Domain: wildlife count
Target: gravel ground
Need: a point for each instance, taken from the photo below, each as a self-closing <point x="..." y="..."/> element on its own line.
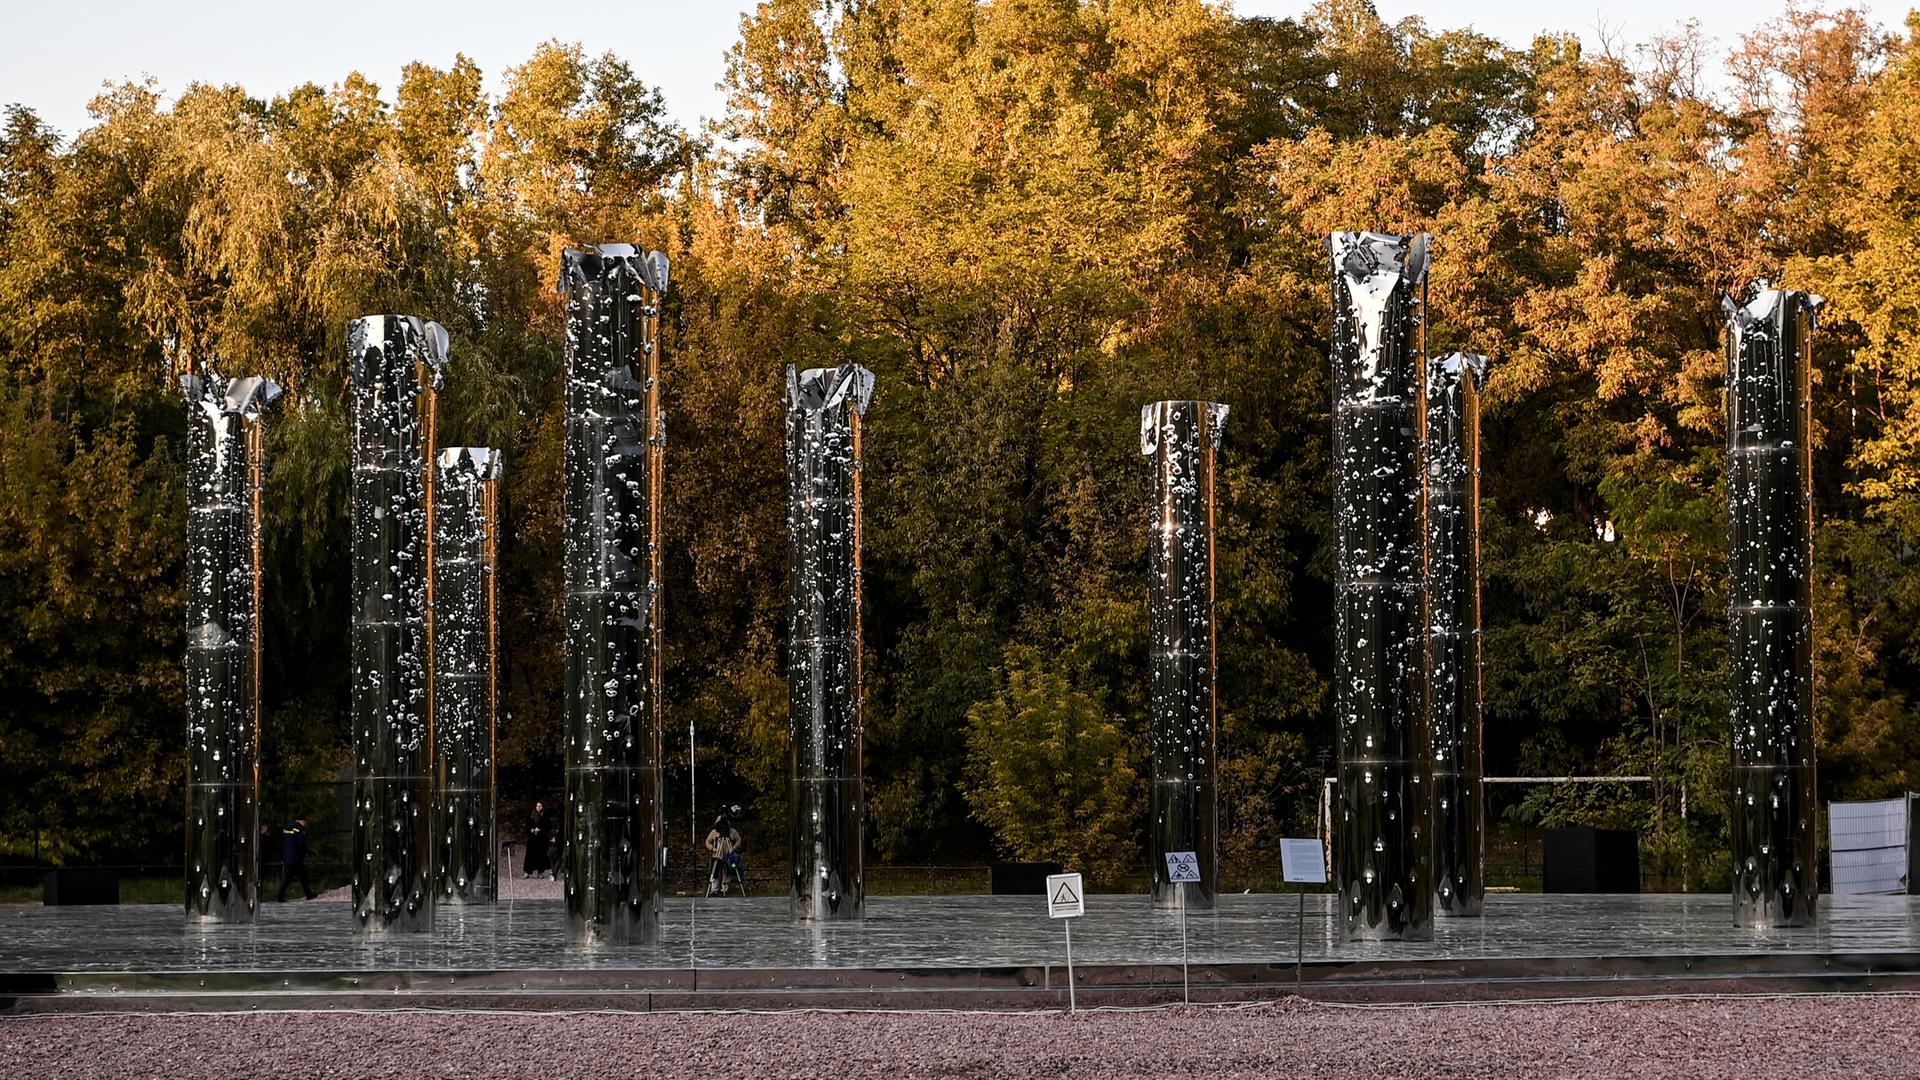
<point x="1825" y="1036"/>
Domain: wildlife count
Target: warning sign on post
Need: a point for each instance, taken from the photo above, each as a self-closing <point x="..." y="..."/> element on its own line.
<point x="1065" y="897"/>
<point x="1183" y="866"/>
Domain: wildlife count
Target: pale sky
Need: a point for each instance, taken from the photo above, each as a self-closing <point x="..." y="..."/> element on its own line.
<point x="57" y="53"/>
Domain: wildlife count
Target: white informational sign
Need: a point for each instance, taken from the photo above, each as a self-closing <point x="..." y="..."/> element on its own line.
<point x="1183" y="866"/>
<point x="1066" y="898"/>
<point x="1303" y="861"/>
<point x="1869" y="844"/>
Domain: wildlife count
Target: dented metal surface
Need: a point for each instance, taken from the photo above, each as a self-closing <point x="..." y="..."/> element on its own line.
<point x="1774" y="814"/>
<point x="225" y="463"/>
<point x="1451" y="514"/>
<point x="465" y="680"/>
<point x="394" y="367"/>
<point x="1181" y="438"/>
<point x="614" y="825"/>
<point x="824" y="411"/>
<point x="1381" y="850"/>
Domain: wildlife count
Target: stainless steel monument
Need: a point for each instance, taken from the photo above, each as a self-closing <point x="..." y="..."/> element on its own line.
<point x="394" y="367"/>
<point x="465" y="651"/>
<point x="1181" y="437"/>
<point x="1381" y="841"/>
<point x="824" y="411"/>
<point x="226" y="441"/>
<point x="1451" y="508"/>
<point x="614" y="826"/>
<point x="1774" y="818"/>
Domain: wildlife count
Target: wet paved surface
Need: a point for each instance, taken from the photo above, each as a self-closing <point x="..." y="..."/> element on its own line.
<point x="920" y="932"/>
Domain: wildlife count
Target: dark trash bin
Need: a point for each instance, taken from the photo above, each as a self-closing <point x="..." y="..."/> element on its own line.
<point x="1591" y="861"/>
<point x="61" y="888"/>
<point x="1022" y="878"/>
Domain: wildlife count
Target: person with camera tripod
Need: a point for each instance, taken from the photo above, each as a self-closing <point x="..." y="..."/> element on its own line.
<point x="723" y="843"/>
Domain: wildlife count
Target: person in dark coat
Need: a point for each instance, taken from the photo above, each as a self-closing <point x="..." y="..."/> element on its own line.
<point x="539" y="841"/>
<point x="293" y="857"/>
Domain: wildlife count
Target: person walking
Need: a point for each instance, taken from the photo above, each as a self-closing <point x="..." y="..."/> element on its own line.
<point x="293" y="857"/>
<point x="540" y="838"/>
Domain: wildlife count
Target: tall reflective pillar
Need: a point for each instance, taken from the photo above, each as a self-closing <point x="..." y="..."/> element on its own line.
<point x="225" y="457"/>
<point x="614" y="828"/>
<point x="465" y="694"/>
<point x="1381" y="854"/>
<point x="1181" y="438"/>
<point x="1770" y="599"/>
<point x="394" y="366"/>
<point x="824" y="411"/>
<point x="1452" y="509"/>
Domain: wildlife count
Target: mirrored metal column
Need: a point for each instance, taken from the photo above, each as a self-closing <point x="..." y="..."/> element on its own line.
<point x="1769" y="563"/>
<point x="1452" y="509"/>
<point x="465" y="677"/>
<point x="1181" y="438"/>
<point x="225" y="457"/>
<point x="1381" y="854"/>
<point x="824" y="411"/>
<point x="394" y="364"/>
<point x="614" y="828"/>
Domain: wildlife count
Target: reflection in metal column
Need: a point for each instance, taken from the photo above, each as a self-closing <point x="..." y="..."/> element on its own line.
<point x="394" y="365"/>
<point x="614" y="827"/>
<point x="1381" y="854"/>
<point x="824" y="410"/>
<point x="465" y="537"/>
<point x="1769" y="563"/>
<point x="225" y="451"/>
<point x="1452" y="509"/>
<point x="1181" y="438"/>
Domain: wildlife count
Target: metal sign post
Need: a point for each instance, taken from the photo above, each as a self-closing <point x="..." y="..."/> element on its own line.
<point x="1066" y="899"/>
<point x="1072" y="1005"/>
<point x="1183" y="867"/>
<point x="1300" y="946"/>
<point x="693" y="849"/>
<point x="1302" y="861"/>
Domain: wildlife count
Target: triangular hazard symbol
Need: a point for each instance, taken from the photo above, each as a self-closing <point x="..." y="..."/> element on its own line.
<point x="1064" y="896"/>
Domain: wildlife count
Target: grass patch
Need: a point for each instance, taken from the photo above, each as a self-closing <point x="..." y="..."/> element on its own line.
<point x="133" y="890"/>
<point x="170" y="889"/>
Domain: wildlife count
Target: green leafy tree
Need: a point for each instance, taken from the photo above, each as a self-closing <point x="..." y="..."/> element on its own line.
<point x="1053" y="775"/>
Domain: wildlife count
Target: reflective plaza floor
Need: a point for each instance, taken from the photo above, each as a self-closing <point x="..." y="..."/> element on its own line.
<point x="942" y="933"/>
